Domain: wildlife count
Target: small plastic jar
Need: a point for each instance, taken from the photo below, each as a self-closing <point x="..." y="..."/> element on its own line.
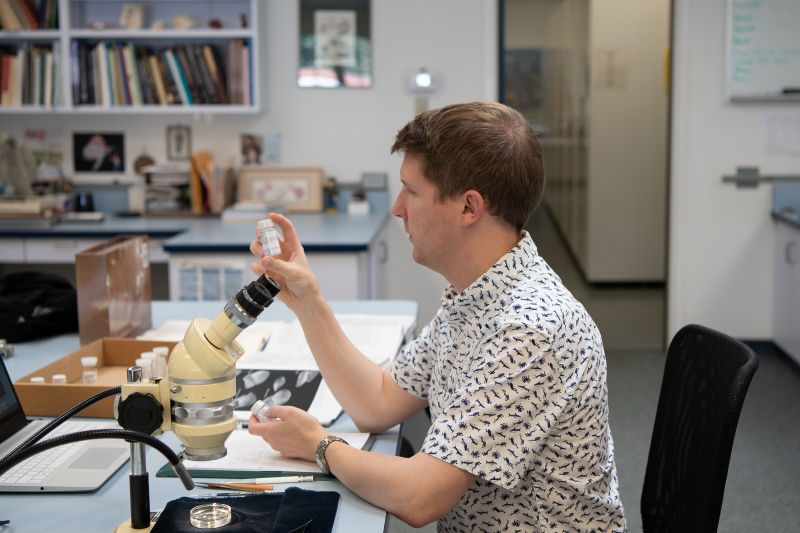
<point x="152" y="357"/>
<point x="89" y="370"/>
<point x="37" y="379"/>
<point x="59" y="378"/>
<point x="147" y="368"/>
<point x="259" y="409"/>
<point x="268" y="236"/>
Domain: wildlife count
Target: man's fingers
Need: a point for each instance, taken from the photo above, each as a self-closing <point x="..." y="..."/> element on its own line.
<point x="289" y="234"/>
<point x="256" y="249"/>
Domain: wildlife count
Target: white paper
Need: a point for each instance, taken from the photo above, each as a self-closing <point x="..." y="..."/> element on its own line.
<point x="248" y="453"/>
<point x="782" y="132"/>
<point x="376" y="336"/>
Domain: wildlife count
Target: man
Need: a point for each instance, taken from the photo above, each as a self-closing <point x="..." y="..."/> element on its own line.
<point x="512" y="366"/>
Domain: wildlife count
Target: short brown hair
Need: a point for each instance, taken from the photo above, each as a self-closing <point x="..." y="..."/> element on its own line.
<point x="483" y="146"/>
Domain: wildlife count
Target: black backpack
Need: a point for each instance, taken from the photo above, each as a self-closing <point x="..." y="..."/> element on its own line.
<point x="34" y="305"/>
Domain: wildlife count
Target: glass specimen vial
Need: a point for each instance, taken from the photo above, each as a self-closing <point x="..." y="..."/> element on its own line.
<point x="152" y="357"/>
<point x="59" y="378"/>
<point x="268" y="235"/>
<point x="89" y="365"/>
<point x="37" y="379"/>
<point x="162" y="353"/>
<point x="147" y="368"/>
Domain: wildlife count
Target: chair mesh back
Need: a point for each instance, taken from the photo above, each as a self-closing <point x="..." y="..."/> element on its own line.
<point x="705" y="381"/>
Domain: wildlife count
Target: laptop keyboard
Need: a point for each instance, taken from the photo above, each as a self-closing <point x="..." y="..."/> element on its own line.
<point x="35" y="469"/>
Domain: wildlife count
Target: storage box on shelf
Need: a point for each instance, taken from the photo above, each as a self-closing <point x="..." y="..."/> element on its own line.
<point x="81" y="69"/>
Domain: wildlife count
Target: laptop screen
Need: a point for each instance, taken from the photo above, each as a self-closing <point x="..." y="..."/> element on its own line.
<point x="12" y="418"/>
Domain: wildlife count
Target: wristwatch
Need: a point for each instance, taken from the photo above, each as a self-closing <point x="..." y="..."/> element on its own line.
<point x="319" y="456"/>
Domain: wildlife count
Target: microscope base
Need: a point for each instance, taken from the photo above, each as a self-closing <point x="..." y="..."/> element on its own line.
<point x="126" y="527"/>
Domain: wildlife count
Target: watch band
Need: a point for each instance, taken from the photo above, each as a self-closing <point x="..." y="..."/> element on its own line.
<point x="320" y="453"/>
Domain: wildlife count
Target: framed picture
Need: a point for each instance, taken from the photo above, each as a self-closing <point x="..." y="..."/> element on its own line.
<point x="179" y="143"/>
<point x="299" y="189"/>
<point x="98" y="152"/>
<point x="252" y="148"/>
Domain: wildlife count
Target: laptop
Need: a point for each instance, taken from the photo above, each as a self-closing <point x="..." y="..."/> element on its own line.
<point x="77" y="467"/>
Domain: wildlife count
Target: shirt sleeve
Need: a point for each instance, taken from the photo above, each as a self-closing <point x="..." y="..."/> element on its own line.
<point x="412" y="367"/>
<point x="506" y="406"/>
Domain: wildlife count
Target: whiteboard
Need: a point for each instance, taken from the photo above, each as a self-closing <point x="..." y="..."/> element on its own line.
<point x="763" y="48"/>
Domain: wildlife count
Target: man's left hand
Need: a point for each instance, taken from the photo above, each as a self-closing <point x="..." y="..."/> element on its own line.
<point x="295" y="435"/>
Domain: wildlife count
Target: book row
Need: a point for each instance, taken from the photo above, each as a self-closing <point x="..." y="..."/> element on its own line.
<point x="25" y="15"/>
<point x="30" y="75"/>
<point x="110" y="73"/>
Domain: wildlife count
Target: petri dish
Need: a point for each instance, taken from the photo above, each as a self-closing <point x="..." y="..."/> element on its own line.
<point x="210" y="515"/>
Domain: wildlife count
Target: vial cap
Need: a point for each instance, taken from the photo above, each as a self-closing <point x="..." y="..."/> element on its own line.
<point x="89" y="361"/>
<point x="267" y="223"/>
<point x="257" y="406"/>
<point x="59" y="378"/>
<point x="37" y="379"/>
<point x="161" y="350"/>
<point x="148" y="355"/>
<point x="144" y="362"/>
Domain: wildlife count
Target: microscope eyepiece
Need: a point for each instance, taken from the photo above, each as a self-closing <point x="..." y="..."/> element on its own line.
<point x="257" y="295"/>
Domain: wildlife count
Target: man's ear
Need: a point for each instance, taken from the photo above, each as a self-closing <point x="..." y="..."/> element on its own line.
<point x="474" y="208"/>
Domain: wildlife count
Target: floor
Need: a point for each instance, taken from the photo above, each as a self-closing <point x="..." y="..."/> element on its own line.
<point x="763" y="488"/>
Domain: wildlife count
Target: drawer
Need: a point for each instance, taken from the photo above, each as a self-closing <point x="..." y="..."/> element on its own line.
<point x="56" y="250"/>
<point x="12" y="250"/>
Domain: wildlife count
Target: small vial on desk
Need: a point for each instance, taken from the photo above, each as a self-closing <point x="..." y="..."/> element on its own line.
<point x="153" y="358"/>
<point x="268" y="236"/>
<point x="162" y="352"/>
<point x="59" y="378"/>
<point x="147" y="368"/>
<point x="37" y="379"/>
<point x="259" y="409"/>
<point x="89" y="370"/>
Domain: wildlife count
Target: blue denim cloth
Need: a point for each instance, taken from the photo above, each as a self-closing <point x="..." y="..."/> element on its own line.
<point x="259" y="513"/>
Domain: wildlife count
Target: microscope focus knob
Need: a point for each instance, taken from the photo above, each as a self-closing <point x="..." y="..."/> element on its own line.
<point x="140" y="412"/>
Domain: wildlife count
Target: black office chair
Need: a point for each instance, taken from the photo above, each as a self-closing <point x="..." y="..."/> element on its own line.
<point x="705" y="381"/>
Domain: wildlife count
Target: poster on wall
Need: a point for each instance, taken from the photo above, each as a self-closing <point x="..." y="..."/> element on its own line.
<point x="99" y="152"/>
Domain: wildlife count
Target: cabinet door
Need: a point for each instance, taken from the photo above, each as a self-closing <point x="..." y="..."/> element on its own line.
<point x="787" y="290"/>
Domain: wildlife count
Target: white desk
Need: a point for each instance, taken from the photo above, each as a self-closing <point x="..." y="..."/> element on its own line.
<point x="106" y="508"/>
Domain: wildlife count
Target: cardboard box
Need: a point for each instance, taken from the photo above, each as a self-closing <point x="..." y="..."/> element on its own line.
<point x="113" y="283"/>
<point x="114" y="356"/>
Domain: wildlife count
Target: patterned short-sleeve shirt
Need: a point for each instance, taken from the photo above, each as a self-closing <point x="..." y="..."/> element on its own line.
<point x="514" y="372"/>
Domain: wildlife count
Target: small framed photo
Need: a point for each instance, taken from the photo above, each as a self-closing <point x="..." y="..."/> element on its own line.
<point x="298" y="189"/>
<point x="132" y="16"/>
<point x="179" y="143"/>
<point x="98" y="152"/>
<point x="252" y="147"/>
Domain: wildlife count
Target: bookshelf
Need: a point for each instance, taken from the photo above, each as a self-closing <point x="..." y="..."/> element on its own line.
<point x="189" y="85"/>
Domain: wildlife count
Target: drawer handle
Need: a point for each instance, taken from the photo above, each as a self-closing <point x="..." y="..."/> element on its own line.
<point x="791" y="246"/>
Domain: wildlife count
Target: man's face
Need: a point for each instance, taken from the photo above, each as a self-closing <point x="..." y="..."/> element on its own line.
<point x="432" y="226"/>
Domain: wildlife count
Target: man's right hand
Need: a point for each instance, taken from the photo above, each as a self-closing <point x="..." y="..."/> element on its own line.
<point x="299" y="288"/>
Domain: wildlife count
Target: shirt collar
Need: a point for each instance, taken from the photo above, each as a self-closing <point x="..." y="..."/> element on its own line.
<point x="462" y="307"/>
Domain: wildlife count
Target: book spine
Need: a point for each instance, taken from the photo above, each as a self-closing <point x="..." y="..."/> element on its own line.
<point x="246" y="89"/>
<point x="177" y="77"/>
<point x="117" y="98"/>
<point x="124" y="73"/>
<point x="77" y="72"/>
<point x="211" y="89"/>
<point x="16" y="97"/>
<point x="169" y="84"/>
<point x="82" y="96"/>
<point x="54" y="14"/>
<point x="158" y="81"/>
<point x="19" y="16"/>
<point x="47" y="65"/>
<point x="132" y="69"/>
<point x="188" y="76"/>
<point x="216" y="75"/>
<point x="4" y="79"/>
<point x="57" y="93"/>
<point x="37" y="77"/>
<point x="148" y="94"/>
<point x="30" y="14"/>
<point x="104" y="75"/>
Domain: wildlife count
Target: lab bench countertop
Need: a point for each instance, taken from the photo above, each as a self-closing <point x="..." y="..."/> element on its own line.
<point x="318" y="232"/>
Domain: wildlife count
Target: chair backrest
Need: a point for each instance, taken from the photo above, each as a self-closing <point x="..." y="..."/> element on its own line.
<point x="705" y="381"/>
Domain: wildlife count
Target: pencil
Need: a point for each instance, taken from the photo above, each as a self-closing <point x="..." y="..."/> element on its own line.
<point x="237" y="486"/>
